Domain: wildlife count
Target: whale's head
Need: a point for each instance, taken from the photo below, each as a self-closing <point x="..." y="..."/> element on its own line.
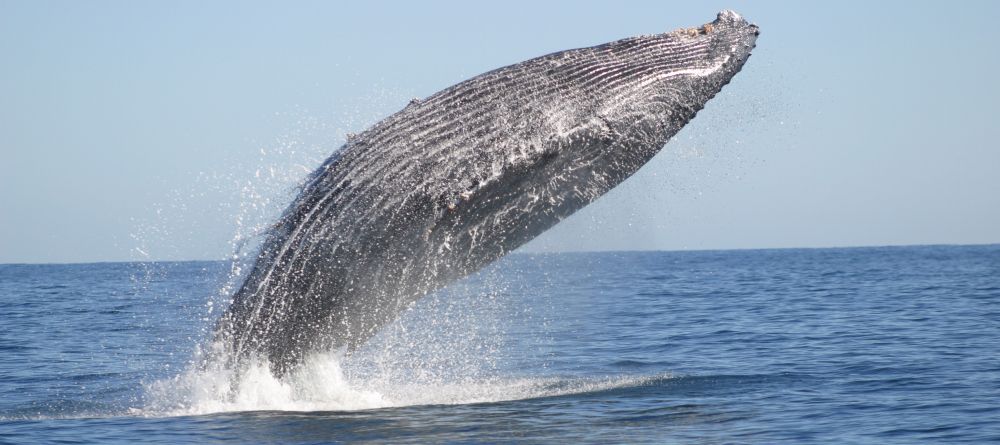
<point x="604" y="111"/>
<point x="638" y="92"/>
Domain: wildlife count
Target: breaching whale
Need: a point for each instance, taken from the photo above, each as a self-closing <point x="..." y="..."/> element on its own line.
<point x="453" y="182"/>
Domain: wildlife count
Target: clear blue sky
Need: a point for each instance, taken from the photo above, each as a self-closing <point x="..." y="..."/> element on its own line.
<point x="137" y="130"/>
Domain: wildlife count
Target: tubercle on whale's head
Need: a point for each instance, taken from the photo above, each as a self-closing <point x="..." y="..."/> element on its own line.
<point x="725" y="21"/>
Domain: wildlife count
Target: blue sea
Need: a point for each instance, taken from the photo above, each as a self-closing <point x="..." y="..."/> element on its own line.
<point x="854" y="345"/>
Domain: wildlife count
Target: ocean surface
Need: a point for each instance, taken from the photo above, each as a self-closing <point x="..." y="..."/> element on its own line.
<point x="857" y="345"/>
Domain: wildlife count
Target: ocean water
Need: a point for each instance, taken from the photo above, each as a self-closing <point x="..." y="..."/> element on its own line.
<point x="858" y="345"/>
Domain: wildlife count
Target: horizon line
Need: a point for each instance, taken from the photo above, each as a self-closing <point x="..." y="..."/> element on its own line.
<point x="551" y="252"/>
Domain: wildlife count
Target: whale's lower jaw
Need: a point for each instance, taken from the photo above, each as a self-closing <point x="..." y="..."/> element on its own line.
<point x="451" y="183"/>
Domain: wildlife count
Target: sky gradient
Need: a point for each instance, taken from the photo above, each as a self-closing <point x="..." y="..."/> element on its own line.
<point x="140" y="130"/>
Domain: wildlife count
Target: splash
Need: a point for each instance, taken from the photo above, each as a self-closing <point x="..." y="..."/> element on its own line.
<point x="328" y="381"/>
<point x="319" y="385"/>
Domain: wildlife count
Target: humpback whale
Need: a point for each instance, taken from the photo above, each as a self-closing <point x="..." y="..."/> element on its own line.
<point x="457" y="180"/>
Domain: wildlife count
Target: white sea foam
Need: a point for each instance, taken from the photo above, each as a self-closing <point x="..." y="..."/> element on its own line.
<point x="324" y="382"/>
<point x="318" y="385"/>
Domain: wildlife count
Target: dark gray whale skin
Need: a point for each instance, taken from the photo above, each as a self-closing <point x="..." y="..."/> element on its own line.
<point x="451" y="183"/>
